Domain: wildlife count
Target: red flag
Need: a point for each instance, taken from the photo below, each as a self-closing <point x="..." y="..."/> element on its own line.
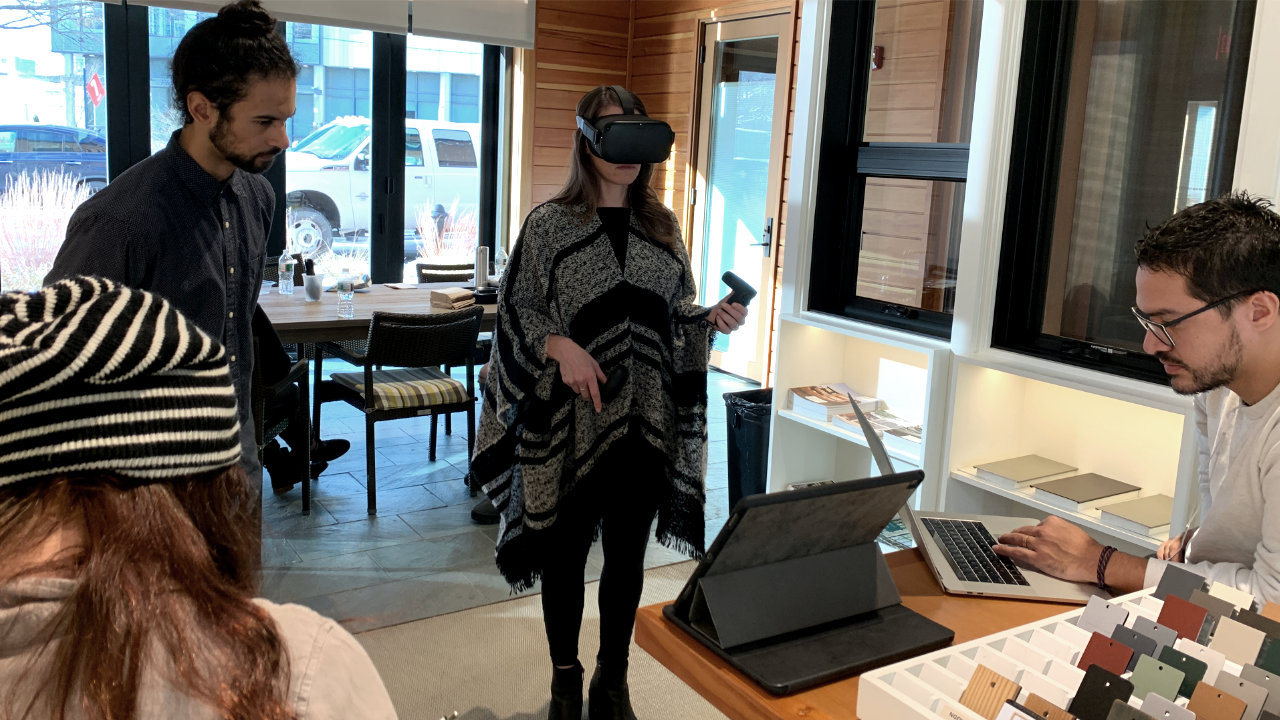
<point x="95" y="89"/>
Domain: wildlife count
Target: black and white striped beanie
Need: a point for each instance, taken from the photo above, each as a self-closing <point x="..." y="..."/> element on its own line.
<point x="95" y="376"/>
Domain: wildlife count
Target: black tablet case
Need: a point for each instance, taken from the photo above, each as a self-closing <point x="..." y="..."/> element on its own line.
<point x="795" y="592"/>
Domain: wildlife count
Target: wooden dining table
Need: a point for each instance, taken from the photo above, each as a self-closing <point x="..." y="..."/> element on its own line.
<point x="298" y="320"/>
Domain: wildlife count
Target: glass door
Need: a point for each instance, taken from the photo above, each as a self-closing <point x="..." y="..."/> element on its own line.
<point x="737" y="197"/>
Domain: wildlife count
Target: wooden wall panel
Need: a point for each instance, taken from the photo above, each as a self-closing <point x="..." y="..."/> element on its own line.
<point x="577" y="46"/>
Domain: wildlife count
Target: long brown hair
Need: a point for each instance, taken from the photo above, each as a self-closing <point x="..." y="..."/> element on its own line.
<point x="583" y="186"/>
<point x="164" y="566"/>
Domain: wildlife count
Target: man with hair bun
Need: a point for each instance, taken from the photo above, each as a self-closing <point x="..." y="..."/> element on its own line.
<point x="190" y="222"/>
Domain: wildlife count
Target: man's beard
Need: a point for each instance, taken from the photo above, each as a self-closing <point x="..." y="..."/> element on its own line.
<point x="1224" y="370"/>
<point x="248" y="163"/>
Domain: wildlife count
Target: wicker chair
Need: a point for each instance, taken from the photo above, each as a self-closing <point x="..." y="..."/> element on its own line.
<point x="413" y="347"/>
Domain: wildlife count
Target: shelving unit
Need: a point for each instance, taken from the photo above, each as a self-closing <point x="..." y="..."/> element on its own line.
<point x="907" y="372"/>
<point x="1144" y="436"/>
<point x="980" y="409"/>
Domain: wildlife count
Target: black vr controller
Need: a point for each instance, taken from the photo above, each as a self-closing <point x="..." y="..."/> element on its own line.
<point x="627" y="138"/>
<point x="742" y="293"/>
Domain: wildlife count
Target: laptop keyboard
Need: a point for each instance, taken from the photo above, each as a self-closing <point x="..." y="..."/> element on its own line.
<point x="968" y="546"/>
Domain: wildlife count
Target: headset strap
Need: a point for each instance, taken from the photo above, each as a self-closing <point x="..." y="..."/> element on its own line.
<point x="625" y="99"/>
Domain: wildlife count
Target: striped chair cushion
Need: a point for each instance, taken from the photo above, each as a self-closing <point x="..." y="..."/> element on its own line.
<point x="407" y="387"/>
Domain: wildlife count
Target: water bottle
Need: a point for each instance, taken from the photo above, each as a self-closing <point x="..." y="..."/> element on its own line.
<point x="346" y="294"/>
<point x="284" y="284"/>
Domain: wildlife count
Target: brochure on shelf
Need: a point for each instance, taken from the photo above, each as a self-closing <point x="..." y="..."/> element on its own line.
<point x="1084" y="492"/>
<point x="824" y="402"/>
<point x="1021" y="471"/>
<point x="1145" y="515"/>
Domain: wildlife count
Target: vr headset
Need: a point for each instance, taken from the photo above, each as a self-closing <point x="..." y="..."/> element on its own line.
<point x="627" y="138"/>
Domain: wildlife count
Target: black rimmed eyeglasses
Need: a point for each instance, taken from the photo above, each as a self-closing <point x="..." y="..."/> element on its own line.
<point x="1161" y="330"/>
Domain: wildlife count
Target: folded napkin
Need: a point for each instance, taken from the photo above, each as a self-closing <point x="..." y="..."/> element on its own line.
<point x="453" y="298"/>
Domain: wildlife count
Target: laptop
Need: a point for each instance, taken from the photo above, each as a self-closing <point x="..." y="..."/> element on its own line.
<point x="957" y="547"/>
<point x="795" y="592"/>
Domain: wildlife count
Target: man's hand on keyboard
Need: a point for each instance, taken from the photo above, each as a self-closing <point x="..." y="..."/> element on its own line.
<point x="1054" y="546"/>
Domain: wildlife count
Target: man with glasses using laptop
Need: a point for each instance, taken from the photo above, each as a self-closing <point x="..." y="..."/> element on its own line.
<point x="1207" y="287"/>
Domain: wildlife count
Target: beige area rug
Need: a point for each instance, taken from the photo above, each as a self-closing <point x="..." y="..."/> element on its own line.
<point x="491" y="661"/>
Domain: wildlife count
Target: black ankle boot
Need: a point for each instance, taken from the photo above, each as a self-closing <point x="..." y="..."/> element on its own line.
<point x="566" y="692"/>
<point x="609" y="697"/>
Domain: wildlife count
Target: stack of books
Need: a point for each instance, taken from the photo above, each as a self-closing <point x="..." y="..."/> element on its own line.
<point x="825" y="402"/>
<point x="1018" y="473"/>
<point x="1145" y="516"/>
<point x="452" y="298"/>
<point x="1085" y="492"/>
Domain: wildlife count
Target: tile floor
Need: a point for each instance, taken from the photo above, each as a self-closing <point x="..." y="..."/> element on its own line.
<point x="421" y="555"/>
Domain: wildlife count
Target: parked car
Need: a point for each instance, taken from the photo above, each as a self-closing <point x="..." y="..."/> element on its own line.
<point x="328" y="177"/>
<point x="33" y="149"/>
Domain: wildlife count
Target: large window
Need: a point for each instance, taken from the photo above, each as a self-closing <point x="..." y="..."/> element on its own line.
<point x="53" y="126"/>
<point x="894" y="153"/>
<point x="442" y="177"/>
<point x="328" y="168"/>
<point x="1128" y="111"/>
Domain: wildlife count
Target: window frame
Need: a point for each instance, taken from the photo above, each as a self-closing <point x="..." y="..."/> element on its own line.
<point x="1031" y="192"/>
<point x="127" y="56"/>
<point x="840" y="195"/>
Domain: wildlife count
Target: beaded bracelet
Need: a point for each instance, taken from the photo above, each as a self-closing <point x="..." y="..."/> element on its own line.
<point x="1103" y="559"/>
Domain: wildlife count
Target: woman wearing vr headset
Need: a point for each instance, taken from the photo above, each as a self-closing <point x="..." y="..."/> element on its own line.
<point x="597" y="387"/>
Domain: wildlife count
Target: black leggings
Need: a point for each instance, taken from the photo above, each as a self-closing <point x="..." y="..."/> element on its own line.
<point x="628" y="497"/>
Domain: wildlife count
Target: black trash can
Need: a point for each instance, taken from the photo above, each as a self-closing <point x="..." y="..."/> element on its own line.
<point x="747" y="414"/>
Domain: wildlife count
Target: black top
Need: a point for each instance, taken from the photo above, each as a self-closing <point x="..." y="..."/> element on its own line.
<point x="167" y="226"/>
<point x="616" y="222"/>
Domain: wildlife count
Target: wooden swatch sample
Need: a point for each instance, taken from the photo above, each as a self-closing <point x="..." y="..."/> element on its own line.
<point x="1192" y="668"/>
<point x="1152" y="676"/>
<point x="1182" y="616"/>
<point x="1044" y="709"/>
<point x="1107" y="653"/>
<point x="1098" y="689"/>
<point x="987" y="691"/>
<point x="1271" y="611"/>
<point x="1211" y="702"/>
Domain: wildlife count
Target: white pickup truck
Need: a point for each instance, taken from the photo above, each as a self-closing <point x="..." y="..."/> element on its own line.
<point x="328" y="180"/>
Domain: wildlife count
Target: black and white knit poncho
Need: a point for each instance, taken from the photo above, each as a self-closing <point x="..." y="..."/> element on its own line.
<point x="537" y="440"/>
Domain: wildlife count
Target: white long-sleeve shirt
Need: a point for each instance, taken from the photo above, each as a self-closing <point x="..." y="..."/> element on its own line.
<point x="1238" y="541"/>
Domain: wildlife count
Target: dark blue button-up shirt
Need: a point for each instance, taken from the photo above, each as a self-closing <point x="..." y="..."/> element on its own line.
<point x="167" y="226"/>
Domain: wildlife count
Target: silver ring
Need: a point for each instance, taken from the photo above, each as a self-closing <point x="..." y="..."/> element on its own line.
<point x="583" y="389"/>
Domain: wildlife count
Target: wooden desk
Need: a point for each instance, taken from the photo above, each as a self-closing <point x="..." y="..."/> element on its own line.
<point x="297" y="321"/>
<point x="739" y="697"/>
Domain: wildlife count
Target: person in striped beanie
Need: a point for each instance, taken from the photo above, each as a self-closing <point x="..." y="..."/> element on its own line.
<point x="128" y="538"/>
